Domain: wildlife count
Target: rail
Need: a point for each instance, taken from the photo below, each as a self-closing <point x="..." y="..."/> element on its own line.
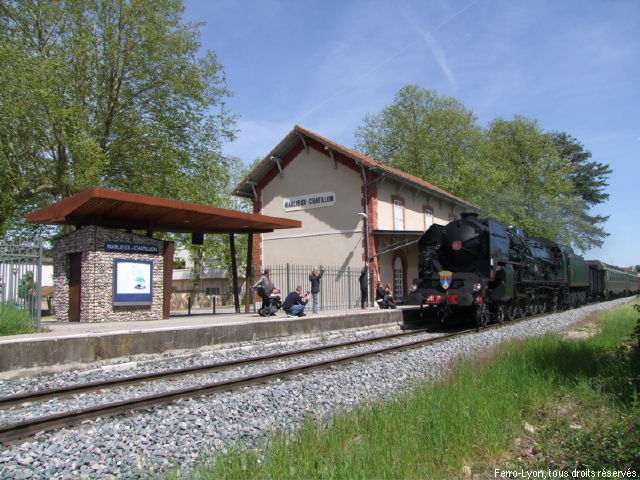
<point x="20" y="430"/>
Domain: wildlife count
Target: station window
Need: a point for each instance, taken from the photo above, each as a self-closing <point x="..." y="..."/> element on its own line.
<point x="399" y="265"/>
<point x="428" y="217"/>
<point x="397" y="278"/>
<point x="398" y="213"/>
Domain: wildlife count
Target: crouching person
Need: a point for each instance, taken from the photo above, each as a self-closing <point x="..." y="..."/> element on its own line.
<point x="295" y="303"/>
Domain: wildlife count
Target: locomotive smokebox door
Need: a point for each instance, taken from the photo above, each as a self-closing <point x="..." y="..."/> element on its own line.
<point x="463" y="243"/>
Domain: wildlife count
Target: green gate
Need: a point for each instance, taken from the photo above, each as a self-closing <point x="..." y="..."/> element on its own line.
<point x="20" y="282"/>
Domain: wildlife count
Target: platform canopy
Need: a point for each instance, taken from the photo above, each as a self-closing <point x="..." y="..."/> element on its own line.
<point x="113" y="209"/>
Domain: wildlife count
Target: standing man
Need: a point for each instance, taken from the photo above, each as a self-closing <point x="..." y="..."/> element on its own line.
<point x="314" y="278"/>
<point x="294" y="303"/>
<point x="364" y="287"/>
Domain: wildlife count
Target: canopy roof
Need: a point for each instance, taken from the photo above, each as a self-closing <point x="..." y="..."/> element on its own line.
<point x="109" y="208"/>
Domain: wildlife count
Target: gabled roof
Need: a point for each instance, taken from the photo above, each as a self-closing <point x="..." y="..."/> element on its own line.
<point x="109" y="208"/>
<point x="299" y="134"/>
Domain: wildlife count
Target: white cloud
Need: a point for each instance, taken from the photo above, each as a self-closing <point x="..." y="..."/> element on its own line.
<point x="436" y="49"/>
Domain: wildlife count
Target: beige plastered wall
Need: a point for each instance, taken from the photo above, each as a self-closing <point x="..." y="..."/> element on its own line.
<point x="414" y="204"/>
<point x="330" y="235"/>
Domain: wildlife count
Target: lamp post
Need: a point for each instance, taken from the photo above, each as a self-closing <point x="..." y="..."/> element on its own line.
<point x="366" y="253"/>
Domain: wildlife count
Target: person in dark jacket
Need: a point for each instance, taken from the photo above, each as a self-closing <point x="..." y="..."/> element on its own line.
<point x="388" y="296"/>
<point x="364" y="287"/>
<point x="294" y="303"/>
<point x="380" y="294"/>
<point x="314" y="278"/>
<point x="264" y="288"/>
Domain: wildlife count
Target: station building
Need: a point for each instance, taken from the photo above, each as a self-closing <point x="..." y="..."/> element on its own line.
<point x="351" y="206"/>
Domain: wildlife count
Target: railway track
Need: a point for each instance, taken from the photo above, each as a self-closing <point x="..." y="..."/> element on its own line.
<point x="24" y="429"/>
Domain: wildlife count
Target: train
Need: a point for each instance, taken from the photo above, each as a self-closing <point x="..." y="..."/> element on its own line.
<point x="482" y="270"/>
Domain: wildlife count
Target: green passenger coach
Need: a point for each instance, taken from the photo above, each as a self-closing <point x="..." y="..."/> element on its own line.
<point x="608" y="281"/>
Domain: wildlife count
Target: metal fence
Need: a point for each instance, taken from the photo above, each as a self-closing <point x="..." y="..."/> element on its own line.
<point x="339" y="287"/>
<point x="21" y="281"/>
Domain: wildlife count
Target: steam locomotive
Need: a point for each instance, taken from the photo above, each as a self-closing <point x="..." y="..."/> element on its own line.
<point x="483" y="270"/>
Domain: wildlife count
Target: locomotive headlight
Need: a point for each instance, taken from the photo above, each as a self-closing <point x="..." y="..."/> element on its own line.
<point x="413" y="287"/>
<point x="477" y="287"/>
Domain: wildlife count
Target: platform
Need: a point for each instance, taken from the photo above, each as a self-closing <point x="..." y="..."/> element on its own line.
<point x="68" y="343"/>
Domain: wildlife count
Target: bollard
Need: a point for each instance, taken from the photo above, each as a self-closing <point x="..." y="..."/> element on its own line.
<point x="189" y="305"/>
<point x="214" y="304"/>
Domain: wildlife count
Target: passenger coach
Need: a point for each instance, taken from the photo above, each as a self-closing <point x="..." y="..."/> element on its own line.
<point x="608" y="281"/>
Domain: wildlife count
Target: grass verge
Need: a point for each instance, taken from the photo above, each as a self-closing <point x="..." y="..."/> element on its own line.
<point x="14" y="320"/>
<point x="547" y="404"/>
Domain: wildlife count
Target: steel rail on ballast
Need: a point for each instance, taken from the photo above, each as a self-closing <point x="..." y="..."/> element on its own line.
<point x="45" y="394"/>
<point x="20" y="430"/>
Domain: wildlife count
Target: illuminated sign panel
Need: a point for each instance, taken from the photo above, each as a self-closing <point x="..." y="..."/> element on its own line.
<point x="132" y="282"/>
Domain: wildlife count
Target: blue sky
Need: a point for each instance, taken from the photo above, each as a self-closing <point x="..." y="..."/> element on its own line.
<point x="573" y="65"/>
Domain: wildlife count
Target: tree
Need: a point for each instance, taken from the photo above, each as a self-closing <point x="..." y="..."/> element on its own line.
<point x="216" y="249"/>
<point x="589" y="177"/>
<point x="106" y="93"/>
<point x="433" y="137"/>
<point x="589" y="180"/>
<point x="513" y="170"/>
<point x="27" y="287"/>
<point x="530" y="184"/>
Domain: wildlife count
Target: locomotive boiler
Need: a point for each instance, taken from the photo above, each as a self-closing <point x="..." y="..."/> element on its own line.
<point x="484" y="270"/>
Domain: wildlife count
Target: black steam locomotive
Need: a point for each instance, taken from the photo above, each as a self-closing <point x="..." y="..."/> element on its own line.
<point x="483" y="270"/>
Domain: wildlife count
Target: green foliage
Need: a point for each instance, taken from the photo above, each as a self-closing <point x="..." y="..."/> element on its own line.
<point x="14" y="320"/>
<point x="216" y="251"/>
<point x="589" y="177"/>
<point x="589" y="180"/>
<point x="529" y="185"/>
<point x="178" y="263"/>
<point x="107" y="93"/>
<point x="26" y="286"/>
<point x="513" y="170"/>
<point x="595" y="425"/>
<point x="427" y="135"/>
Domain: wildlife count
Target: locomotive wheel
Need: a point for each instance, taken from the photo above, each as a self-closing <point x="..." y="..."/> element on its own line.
<point x="501" y="313"/>
<point x="536" y="308"/>
<point x="542" y="308"/>
<point x="482" y="317"/>
<point x="512" y="312"/>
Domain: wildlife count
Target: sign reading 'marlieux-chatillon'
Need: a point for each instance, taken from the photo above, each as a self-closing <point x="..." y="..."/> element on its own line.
<point x="310" y="200"/>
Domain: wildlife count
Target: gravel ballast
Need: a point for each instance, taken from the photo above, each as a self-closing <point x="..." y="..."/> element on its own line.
<point x="149" y="442"/>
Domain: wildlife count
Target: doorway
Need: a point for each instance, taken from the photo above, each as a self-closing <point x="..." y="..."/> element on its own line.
<point x="75" y="279"/>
